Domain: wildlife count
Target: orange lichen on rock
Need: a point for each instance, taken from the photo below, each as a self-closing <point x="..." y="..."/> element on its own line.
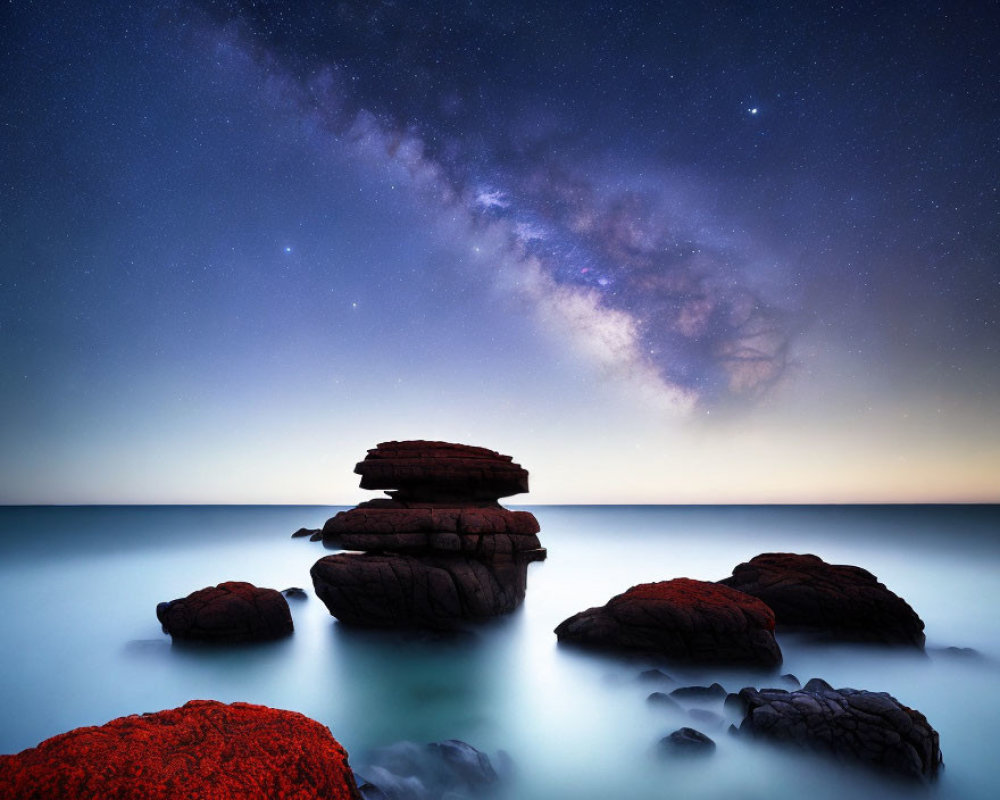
<point x="205" y="749"/>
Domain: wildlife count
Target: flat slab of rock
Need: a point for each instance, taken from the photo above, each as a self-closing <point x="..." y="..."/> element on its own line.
<point x="203" y="749"/>
<point x="842" y="601"/>
<point x="230" y="612"/>
<point x="871" y="728"/>
<point x="402" y="591"/>
<point x="422" y="470"/>
<point x="683" y="619"/>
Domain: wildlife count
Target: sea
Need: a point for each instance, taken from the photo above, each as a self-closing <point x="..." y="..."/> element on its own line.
<point x="80" y="643"/>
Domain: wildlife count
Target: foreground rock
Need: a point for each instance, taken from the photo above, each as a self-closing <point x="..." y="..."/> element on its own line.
<point x="450" y="769"/>
<point x="230" y="612"/>
<point x="870" y="728"/>
<point x="440" y="551"/>
<point x="687" y="742"/>
<point x="682" y="619"/>
<point x="203" y="749"/>
<point x="842" y="601"/>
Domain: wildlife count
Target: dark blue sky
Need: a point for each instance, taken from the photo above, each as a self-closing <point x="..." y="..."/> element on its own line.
<point x="659" y="252"/>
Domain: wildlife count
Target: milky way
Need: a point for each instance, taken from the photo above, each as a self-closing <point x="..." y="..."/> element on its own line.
<point x="652" y="285"/>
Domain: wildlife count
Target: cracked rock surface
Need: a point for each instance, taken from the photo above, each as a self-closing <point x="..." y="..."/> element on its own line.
<point x="839" y="600"/>
<point x="440" y="550"/>
<point x="230" y="612"/>
<point x="872" y="728"/>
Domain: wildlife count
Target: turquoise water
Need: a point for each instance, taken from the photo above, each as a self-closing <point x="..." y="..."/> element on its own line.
<point x="81" y="643"/>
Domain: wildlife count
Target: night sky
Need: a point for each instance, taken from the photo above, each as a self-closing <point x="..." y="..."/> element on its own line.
<point x="659" y="252"/>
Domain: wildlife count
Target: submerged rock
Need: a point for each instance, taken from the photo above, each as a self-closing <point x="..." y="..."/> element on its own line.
<point x="230" y="612"/>
<point x="839" y="600"/>
<point x="871" y="728"/>
<point x="409" y="771"/>
<point x="682" y="619"/>
<point x="440" y="551"/>
<point x="203" y="749"/>
<point x="687" y="741"/>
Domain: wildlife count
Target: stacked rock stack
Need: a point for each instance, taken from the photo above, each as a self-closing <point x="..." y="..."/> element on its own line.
<point x="440" y="549"/>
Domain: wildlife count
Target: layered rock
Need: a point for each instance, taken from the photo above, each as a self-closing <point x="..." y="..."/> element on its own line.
<point x="682" y="619"/>
<point x="230" y="612"/>
<point x="440" y="550"/>
<point x="871" y="728"/>
<point x="203" y="749"/>
<point x="841" y="601"/>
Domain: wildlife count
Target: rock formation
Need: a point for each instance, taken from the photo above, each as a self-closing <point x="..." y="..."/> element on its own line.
<point x="203" y="749"/>
<point x="230" y="612"/>
<point x="872" y="728"/>
<point x="682" y="619"/>
<point x="440" y="550"/>
<point x="841" y="601"/>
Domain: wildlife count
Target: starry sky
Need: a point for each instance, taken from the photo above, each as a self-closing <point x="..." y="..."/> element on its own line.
<point x="658" y="252"/>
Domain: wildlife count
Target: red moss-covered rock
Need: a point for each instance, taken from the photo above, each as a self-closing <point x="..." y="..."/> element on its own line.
<point x="870" y="728"/>
<point x="682" y="619"/>
<point x="204" y="749"/>
<point x="434" y="471"/>
<point x="402" y="591"/>
<point x="842" y="601"/>
<point x="230" y="612"/>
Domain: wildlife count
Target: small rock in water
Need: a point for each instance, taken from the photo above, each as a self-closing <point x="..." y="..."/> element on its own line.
<point x="790" y="680"/>
<point x="448" y="769"/>
<point x="662" y="700"/>
<point x="656" y="676"/>
<point x="714" y="692"/>
<point x="305" y="532"/>
<point x="687" y="741"/>
<point x="296" y="592"/>
<point x="705" y="717"/>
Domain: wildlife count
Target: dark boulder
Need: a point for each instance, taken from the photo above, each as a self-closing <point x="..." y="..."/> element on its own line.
<point x="230" y="612"/>
<point x="404" y="591"/>
<point x="838" y="600"/>
<point x="203" y="749"/>
<point x="695" y="693"/>
<point x="871" y="728"/>
<point x="687" y="742"/>
<point x="681" y="619"/>
<point x="305" y="532"/>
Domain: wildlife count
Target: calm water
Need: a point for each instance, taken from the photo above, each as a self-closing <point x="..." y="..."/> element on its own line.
<point x="81" y="643"/>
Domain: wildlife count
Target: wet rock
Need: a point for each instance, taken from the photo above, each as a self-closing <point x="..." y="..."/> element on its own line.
<point x="305" y="532"/>
<point x="661" y="700"/>
<point x="681" y="619"/>
<point x="790" y="681"/>
<point x="203" y="749"/>
<point x="230" y="612"/>
<point x="440" y="551"/>
<point x="296" y="592"/>
<point x="395" y="590"/>
<point x="687" y="742"/>
<point x="408" y="771"/>
<point x="714" y="692"/>
<point x="870" y="728"/>
<point x="841" y="601"/>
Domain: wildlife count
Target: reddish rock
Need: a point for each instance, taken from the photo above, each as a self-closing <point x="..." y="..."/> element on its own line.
<point x="473" y="531"/>
<point x="842" y="601"/>
<point x="203" y="749"/>
<point x="434" y="471"/>
<point x="682" y="619"/>
<point x="402" y="591"/>
<point x="230" y="612"/>
<point x="871" y="728"/>
<point x="441" y="550"/>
